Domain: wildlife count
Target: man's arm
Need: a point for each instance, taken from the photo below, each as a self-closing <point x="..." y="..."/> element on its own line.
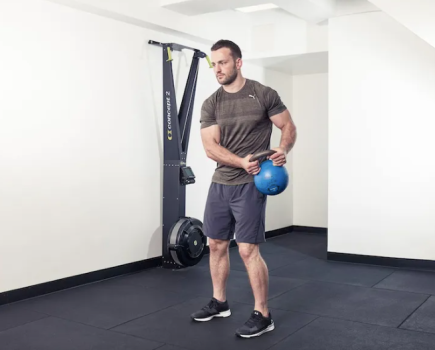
<point x="211" y="141"/>
<point x="211" y="136"/>
<point x="284" y="122"/>
<point x="280" y="117"/>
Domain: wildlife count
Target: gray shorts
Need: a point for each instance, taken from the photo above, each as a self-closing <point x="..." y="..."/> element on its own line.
<point x="235" y="210"/>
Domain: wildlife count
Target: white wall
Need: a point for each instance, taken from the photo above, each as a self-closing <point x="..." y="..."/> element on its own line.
<point x="416" y="15"/>
<point x="381" y="112"/>
<point x="317" y="37"/>
<point x="310" y="158"/>
<point x="80" y="142"/>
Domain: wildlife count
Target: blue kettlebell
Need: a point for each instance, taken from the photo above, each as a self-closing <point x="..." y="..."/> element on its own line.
<point x="271" y="180"/>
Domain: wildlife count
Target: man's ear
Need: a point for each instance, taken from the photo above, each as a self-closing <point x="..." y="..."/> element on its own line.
<point x="239" y="63"/>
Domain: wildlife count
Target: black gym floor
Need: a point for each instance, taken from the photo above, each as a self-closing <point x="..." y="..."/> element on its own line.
<point x="316" y="304"/>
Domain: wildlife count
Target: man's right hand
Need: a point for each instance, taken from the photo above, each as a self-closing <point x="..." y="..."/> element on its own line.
<point x="252" y="168"/>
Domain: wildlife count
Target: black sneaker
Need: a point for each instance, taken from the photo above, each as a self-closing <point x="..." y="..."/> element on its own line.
<point x="214" y="308"/>
<point x="256" y="325"/>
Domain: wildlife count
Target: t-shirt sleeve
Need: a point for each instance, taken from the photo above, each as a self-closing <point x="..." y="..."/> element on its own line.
<point x="208" y="117"/>
<point x="273" y="102"/>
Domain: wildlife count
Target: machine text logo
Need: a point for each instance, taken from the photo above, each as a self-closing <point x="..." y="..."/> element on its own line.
<point x="168" y="115"/>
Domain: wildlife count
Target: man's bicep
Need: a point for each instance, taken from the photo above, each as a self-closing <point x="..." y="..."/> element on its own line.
<point x="208" y="117"/>
<point x="210" y="136"/>
<point x="282" y="119"/>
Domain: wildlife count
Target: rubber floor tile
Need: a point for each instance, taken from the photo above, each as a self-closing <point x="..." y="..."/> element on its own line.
<point x="367" y="305"/>
<point x="55" y="334"/>
<point x="333" y="334"/>
<point x="105" y="304"/>
<point x="174" y="326"/>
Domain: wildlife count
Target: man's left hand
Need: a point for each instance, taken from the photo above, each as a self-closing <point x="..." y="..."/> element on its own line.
<point x="280" y="157"/>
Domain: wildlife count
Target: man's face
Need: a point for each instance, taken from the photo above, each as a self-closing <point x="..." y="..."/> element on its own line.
<point x="224" y="65"/>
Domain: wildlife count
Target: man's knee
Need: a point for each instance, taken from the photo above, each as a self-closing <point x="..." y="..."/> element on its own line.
<point x="218" y="246"/>
<point x="248" y="251"/>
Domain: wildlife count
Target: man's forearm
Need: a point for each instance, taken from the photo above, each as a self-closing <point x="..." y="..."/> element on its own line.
<point x="222" y="156"/>
<point x="288" y="137"/>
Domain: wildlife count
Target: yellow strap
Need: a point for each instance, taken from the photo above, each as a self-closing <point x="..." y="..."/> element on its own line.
<point x="169" y="54"/>
<point x="209" y="62"/>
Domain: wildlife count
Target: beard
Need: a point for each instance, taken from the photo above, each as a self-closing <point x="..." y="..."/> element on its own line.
<point x="229" y="79"/>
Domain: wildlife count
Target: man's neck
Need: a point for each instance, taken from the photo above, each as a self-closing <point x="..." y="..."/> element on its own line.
<point x="236" y="85"/>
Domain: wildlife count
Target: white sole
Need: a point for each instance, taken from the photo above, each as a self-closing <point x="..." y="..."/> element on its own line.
<point x="268" y="329"/>
<point x="221" y="314"/>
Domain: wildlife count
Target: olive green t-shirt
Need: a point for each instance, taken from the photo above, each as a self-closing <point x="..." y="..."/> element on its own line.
<point x="245" y="126"/>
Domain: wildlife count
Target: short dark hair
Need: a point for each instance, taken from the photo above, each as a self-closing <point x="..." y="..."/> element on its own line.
<point x="234" y="48"/>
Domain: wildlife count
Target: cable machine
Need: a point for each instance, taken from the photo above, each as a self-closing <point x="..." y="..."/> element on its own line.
<point x="184" y="241"/>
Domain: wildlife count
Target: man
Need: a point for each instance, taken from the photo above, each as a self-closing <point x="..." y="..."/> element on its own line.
<point x="236" y="122"/>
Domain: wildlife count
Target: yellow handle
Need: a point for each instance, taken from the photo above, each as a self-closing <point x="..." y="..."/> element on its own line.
<point x="209" y="62"/>
<point x="169" y="54"/>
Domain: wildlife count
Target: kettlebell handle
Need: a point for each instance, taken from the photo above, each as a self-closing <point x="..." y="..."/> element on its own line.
<point x="261" y="154"/>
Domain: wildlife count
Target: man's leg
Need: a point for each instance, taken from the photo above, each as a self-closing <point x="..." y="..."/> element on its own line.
<point x="219" y="267"/>
<point x="249" y="209"/>
<point x="258" y="275"/>
<point x="219" y="228"/>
